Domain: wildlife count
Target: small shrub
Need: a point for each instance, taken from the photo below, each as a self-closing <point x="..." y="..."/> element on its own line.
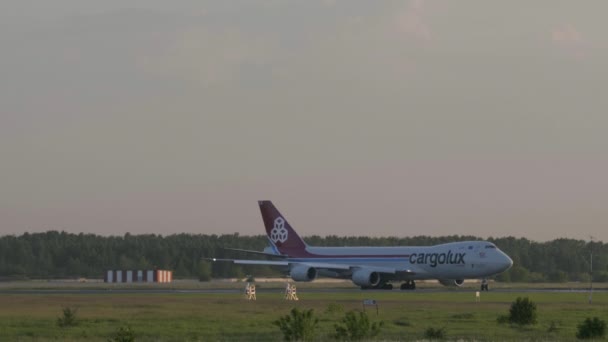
<point x="591" y="328"/>
<point x="435" y="333"/>
<point x="502" y="319"/>
<point x="464" y="315"/>
<point x="522" y="312"/>
<point x="123" y="334"/>
<point x="553" y="327"/>
<point x="356" y="326"/>
<point x="68" y="318"/>
<point x="402" y="323"/>
<point x="298" y="325"/>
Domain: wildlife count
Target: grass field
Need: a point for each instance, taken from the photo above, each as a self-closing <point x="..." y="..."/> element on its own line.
<point x="227" y="317"/>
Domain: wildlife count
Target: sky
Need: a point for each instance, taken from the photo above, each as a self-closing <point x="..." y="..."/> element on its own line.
<point x="354" y="117"/>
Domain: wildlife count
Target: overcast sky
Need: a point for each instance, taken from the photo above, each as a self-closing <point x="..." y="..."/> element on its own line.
<point x="355" y="117"/>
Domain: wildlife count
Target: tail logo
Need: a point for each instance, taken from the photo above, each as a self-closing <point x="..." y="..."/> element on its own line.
<point x="278" y="232"/>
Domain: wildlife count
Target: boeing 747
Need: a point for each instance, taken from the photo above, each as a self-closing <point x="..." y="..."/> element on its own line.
<point x="376" y="267"/>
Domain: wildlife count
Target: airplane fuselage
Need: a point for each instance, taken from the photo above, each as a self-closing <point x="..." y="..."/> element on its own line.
<point x="455" y="260"/>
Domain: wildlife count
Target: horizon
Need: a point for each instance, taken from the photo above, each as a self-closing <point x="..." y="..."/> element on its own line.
<point x="316" y="235"/>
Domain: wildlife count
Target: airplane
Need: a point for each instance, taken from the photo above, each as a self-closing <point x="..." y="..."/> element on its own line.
<point x="374" y="267"/>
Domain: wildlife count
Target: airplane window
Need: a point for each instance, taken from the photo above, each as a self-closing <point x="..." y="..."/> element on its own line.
<point x="490" y="246"/>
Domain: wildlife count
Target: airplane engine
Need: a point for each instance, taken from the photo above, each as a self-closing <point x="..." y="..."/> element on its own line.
<point x="451" y="282"/>
<point x="303" y="273"/>
<point x="366" y="278"/>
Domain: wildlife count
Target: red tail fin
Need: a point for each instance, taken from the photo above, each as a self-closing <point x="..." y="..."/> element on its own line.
<point x="279" y="232"/>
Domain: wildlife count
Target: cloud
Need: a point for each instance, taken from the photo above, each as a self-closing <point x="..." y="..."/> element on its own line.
<point x="569" y="39"/>
<point x="412" y="22"/>
<point x="210" y="56"/>
<point x="566" y="34"/>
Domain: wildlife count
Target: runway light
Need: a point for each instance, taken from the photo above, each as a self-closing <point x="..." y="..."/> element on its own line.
<point x="214" y="259"/>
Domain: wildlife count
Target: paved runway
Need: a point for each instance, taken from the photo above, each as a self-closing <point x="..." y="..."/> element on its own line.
<point x="272" y="290"/>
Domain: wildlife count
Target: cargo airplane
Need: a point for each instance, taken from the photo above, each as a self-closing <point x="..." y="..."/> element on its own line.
<point x="375" y="267"/>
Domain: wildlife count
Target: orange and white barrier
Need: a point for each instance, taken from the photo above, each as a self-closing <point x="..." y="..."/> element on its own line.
<point x="139" y="276"/>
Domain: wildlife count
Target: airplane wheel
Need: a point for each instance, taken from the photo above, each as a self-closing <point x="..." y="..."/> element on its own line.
<point x="387" y="287"/>
<point x="408" y="285"/>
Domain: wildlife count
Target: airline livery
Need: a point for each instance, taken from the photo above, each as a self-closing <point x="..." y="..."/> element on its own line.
<point x="375" y="267"/>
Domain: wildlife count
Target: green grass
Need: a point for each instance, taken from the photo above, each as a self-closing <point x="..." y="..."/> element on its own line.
<point x="227" y="317"/>
<point x="189" y="284"/>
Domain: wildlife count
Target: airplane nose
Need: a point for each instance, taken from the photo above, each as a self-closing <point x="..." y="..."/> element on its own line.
<point x="508" y="262"/>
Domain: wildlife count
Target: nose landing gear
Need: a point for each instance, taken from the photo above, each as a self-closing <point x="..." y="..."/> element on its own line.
<point x="484" y="284"/>
<point x="408" y="285"/>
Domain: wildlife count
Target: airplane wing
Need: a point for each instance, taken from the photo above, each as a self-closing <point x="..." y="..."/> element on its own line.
<point x="272" y="255"/>
<point x="321" y="265"/>
<point x="286" y="263"/>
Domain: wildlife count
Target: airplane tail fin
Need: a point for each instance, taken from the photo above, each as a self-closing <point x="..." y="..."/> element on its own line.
<point x="280" y="233"/>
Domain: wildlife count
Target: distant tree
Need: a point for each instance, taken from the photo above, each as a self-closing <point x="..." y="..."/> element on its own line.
<point x="558" y="276"/>
<point x="204" y="271"/>
<point x="60" y="254"/>
<point x="519" y="274"/>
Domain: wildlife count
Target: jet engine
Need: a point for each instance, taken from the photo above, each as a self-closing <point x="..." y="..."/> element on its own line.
<point x="451" y="282"/>
<point x="303" y="273"/>
<point x="366" y="278"/>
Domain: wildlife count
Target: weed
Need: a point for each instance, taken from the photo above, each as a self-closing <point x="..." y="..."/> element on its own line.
<point x="435" y="333"/>
<point x="68" y="318"/>
<point x="123" y="334"/>
<point x="523" y="311"/>
<point x="298" y="325"/>
<point x="502" y="319"/>
<point x="334" y="308"/>
<point x="356" y="326"/>
<point x="591" y="328"/>
<point x="402" y="323"/>
<point x="553" y="327"/>
<point x="464" y="315"/>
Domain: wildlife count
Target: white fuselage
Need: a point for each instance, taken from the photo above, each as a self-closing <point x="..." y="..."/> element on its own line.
<point x="455" y="260"/>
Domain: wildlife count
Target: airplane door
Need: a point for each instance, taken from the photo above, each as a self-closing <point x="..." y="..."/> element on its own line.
<point x="479" y="262"/>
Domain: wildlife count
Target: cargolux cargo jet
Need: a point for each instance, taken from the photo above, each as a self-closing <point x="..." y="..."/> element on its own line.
<point x="375" y="267"/>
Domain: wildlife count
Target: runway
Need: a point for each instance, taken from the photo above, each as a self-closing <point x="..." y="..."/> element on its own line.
<point x="271" y="290"/>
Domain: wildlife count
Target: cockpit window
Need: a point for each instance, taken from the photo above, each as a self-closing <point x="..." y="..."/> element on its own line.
<point x="490" y="246"/>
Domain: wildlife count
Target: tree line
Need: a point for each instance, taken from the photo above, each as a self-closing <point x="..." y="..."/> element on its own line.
<point x="54" y="254"/>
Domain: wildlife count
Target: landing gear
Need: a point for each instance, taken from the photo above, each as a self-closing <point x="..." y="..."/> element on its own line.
<point x="387" y="286"/>
<point x="484" y="285"/>
<point x="408" y="285"/>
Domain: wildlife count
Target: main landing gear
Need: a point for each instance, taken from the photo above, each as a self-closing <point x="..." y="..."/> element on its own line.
<point x="408" y="285"/>
<point x="387" y="286"/>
